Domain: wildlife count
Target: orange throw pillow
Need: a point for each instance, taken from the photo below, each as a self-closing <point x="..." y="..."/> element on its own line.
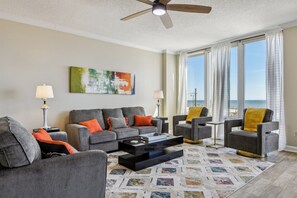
<point x="42" y="134"/>
<point x="92" y="125"/>
<point x="143" y="120"/>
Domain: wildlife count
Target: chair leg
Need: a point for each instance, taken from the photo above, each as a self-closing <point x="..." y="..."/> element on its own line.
<point x="248" y="154"/>
<point x="193" y="141"/>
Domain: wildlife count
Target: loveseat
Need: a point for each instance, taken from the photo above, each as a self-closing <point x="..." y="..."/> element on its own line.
<point x="107" y="140"/>
<point x="23" y="173"/>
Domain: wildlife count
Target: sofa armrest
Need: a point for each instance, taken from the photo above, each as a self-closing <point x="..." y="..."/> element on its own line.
<point x="77" y="175"/>
<point x="228" y="125"/>
<point x="201" y="120"/>
<point x="78" y="136"/>
<point x="62" y="136"/>
<point x="157" y="123"/>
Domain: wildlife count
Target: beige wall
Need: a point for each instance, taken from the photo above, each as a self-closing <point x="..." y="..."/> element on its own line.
<point x="290" y="48"/>
<point x="31" y="56"/>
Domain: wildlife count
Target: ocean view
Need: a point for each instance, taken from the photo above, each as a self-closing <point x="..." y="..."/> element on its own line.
<point x="233" y="103"/>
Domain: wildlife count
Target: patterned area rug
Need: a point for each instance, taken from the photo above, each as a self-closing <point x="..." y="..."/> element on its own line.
<point x="201" y="172"/>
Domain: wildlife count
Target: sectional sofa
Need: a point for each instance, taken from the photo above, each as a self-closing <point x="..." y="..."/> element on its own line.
<point x="107" y="140"/>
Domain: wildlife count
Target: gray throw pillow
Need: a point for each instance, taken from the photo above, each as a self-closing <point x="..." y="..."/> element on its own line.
<point x="17" y="146"/>
<point x="117" y="123"/>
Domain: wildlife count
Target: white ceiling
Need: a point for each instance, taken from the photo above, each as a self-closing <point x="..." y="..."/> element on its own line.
<point x="101" y="19"/>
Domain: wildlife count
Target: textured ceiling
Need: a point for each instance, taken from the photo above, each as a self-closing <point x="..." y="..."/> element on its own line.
<point x="101" y="19"/>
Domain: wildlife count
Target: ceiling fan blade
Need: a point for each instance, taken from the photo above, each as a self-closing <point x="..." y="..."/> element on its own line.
<point x="166" y="20"/>
<point x="146" y="2"/>
<point x="136" y="14"/>
<point x="165" y="2"/>
<point x="189" y="8"/>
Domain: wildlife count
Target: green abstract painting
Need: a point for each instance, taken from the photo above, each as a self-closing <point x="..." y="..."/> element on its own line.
<point x="88" y="80"/>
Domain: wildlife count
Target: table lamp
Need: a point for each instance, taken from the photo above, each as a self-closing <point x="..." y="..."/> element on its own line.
<point x="44" y="92"/>
<point x="158" y="95"/>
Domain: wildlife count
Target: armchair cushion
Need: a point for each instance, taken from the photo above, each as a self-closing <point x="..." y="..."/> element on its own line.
<point x="194" y="112"/>
<point x="253" y="117"/>
<point x="55" y="146"/>
<point x="243" y="140"/>
<point x="17" y="146"/>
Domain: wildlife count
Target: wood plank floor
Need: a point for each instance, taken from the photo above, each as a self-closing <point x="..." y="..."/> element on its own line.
<point x="278" y="181"/>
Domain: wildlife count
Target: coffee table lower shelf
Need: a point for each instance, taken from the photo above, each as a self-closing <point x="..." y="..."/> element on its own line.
<point x="152" y="158"/>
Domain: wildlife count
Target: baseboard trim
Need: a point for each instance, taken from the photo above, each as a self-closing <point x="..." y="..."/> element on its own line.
<point x="291" y="149"/>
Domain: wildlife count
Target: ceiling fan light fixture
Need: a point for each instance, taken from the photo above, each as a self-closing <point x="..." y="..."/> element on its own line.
<point x="159" y="9"/>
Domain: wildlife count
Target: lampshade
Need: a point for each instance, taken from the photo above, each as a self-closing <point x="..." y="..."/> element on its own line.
<point x="44" y="91"/>
<point x="158" y="94"/>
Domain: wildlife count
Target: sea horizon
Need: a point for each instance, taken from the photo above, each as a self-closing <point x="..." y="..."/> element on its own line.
<point x="233" y="103"/>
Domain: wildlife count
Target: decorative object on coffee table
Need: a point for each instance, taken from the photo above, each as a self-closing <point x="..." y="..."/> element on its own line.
<point x="158" y="95"/>
<point x="215" y="131"/>
<point x="142" y="155"/>
<point x="44" y="92"/>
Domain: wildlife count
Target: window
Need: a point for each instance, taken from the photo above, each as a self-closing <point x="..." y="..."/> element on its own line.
<point x="196" y="80"/>
<point x="247" y="76"/>
<point x="254" y="74"/>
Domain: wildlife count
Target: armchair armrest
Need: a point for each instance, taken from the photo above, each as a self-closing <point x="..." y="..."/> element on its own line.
<point x="201" y="120"/>
<point x="65" y="176"/>
<point x="157" y="123"/>
<point x="177" y="119"/>
<point x="62" y="136"/>
<point x="78" y="136"/>
<point x="267" y="127"/>
<point x="228" y="125"/>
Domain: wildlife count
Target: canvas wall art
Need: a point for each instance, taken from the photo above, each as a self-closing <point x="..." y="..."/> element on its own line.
<point x="89" y="80"/>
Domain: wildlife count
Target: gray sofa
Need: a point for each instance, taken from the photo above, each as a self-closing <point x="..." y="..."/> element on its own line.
<point x="24" y="174"/>
<point x="82" y="140"/>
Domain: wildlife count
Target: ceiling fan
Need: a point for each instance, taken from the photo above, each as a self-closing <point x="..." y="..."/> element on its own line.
<point x="160" y="8"/>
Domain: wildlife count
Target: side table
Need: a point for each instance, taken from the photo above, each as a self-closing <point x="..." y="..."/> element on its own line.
<point x="165" y="128"/>
<point x="215" y="144"/>
<point x="49" y="130"/>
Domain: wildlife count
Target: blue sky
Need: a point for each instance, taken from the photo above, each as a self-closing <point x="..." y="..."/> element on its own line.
<point x="255" y="58"/>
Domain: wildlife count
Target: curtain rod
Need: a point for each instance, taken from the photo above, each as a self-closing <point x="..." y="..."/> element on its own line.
<point x="234" y="41"/>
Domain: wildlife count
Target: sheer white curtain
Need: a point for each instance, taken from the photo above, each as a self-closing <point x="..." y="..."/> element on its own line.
<point x="275" y="81"/>
<point x="182" y="83"/>
<point x="220" y="67"/>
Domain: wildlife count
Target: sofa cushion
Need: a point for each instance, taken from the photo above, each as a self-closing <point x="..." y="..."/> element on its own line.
<point x="76" y="116"/>
<point x="17" y="146"/>
<point x="126" y="133"/>
<point x="55" y="146"/>
<point x="115" y="113"/>
<point x="131" y="111"/>
<point x="146" y="129"/>
<point x="42" y="134"/>
<point x="104" y="136"/>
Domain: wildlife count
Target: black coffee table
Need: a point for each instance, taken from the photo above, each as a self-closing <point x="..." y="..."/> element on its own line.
<point x="142" y="155"/>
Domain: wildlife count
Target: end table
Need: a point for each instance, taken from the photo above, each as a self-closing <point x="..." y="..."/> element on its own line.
<point x="164" y="124"/>
<point x="49" y="130"/>
<point x="215" y="144"/>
